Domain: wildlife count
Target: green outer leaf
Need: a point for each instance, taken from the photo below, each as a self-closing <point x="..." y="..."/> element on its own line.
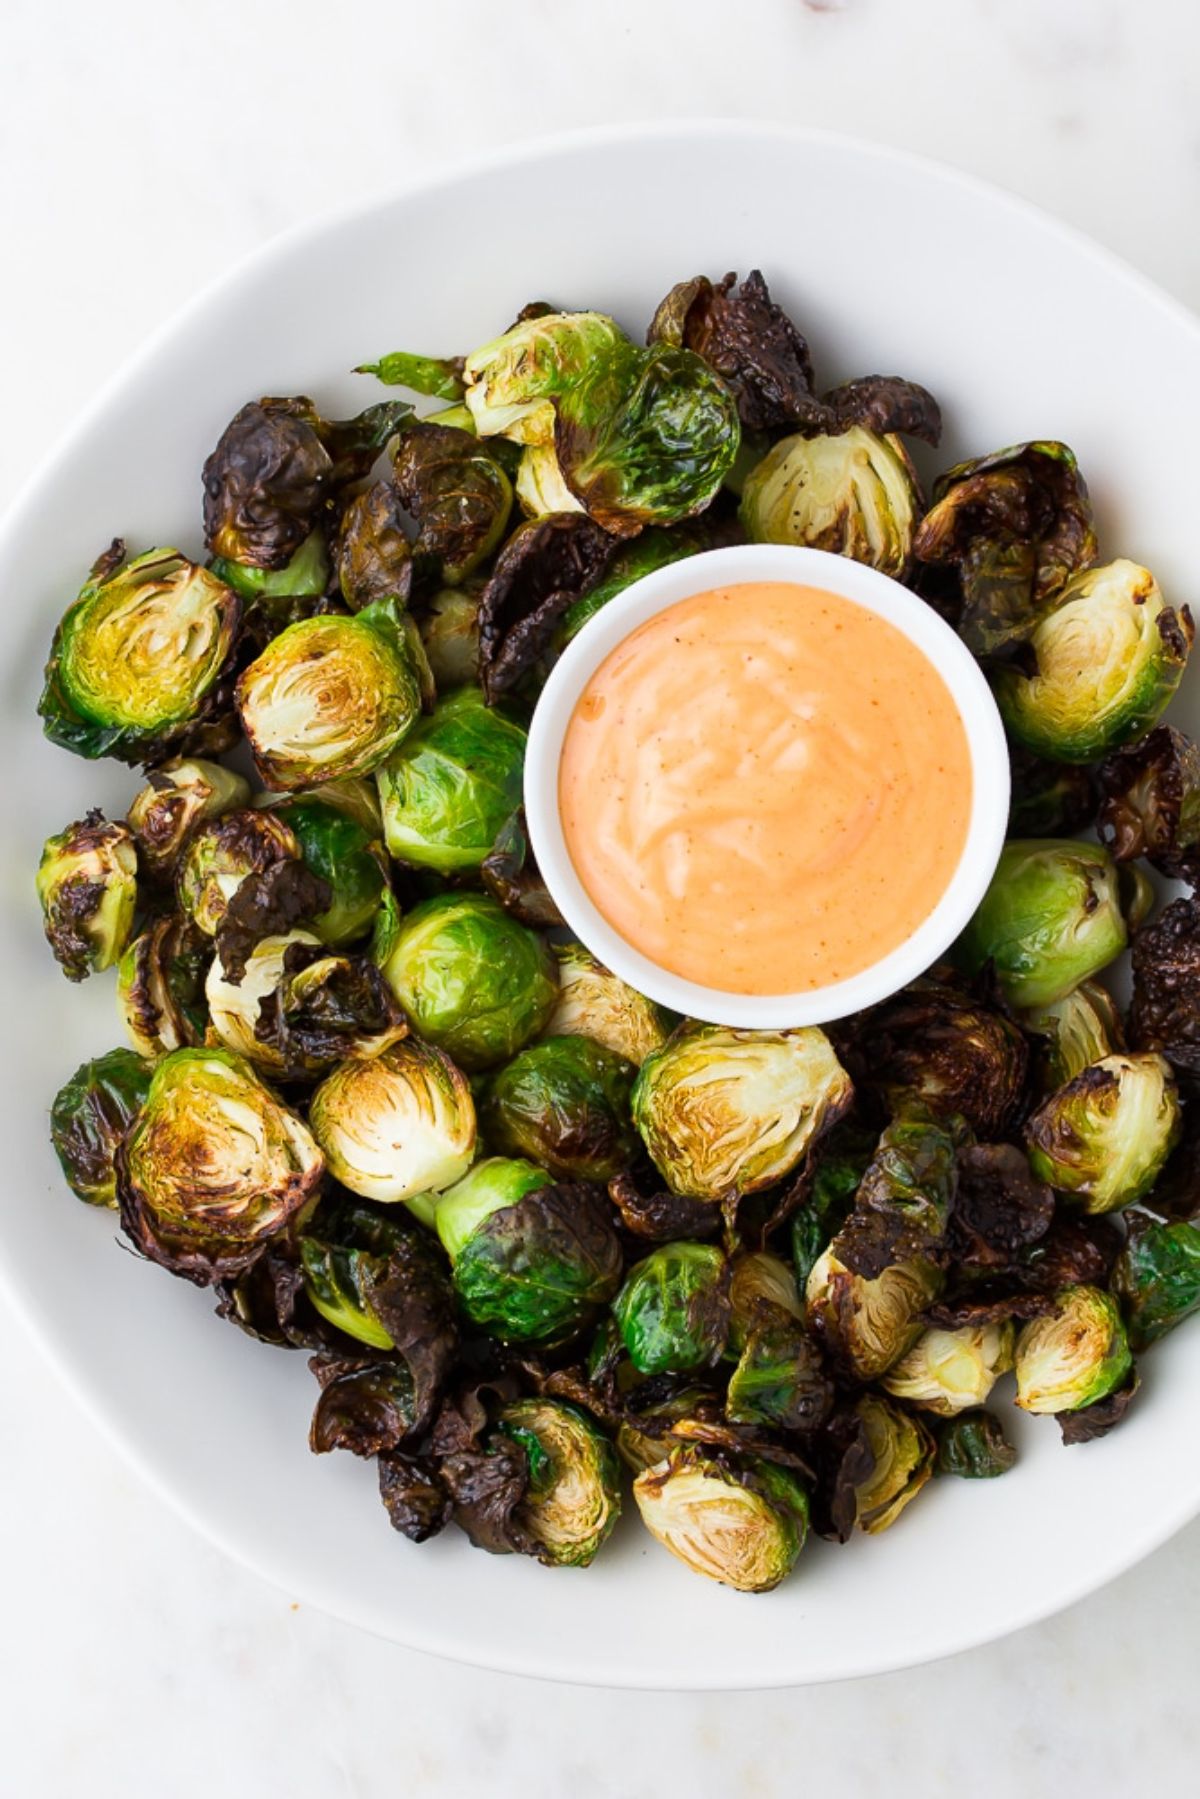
<point x="669" y="1310"/>
<point x="304" y="577"/>
<point x="525" y="1280"/>
<point x="339" y="849"/>
<point x="333" y="1280"/>
<point x="1157" y="1279"/>
<point x="974" y="1446"/>
<point x="433" y="375"/>
<point x="90" y="1115"/>
<point x="452" y="784"/>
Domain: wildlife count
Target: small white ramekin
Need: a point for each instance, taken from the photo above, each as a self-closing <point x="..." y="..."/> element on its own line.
<point x="832" y="574"/>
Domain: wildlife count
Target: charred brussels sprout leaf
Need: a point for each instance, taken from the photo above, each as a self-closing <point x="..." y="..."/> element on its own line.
<point x="564" y="1102"/>
<point x="452" y="785"/>
<point x="457" y="494"/>
<point x="372" y="553"/>
<point x="722" y="1109"/>
<point x="178" y="796"/>
<point x="139" y="662"/>
<point x="471" y="979"/>
<point x="367" y="1405"/>
<point x="1000" y="1208"/>
<point x="903" y="1203"/>
<point x="440" y="377"/>
<point x="1100" y="668"/>
<point x="214" y="1167"/>
<point x="937" y="1046"/>
<point x="947" y="1371"/>
<point x="650" y="1413"/>
<point x="673" y="1309"/>
<point x="1096" y="1420"/>
<point x="1151" y="803"/>
<point x="87" y="886"/>
<point x="329" y="697"/>
<point x="661" y="1217"/>
<point x="511" y="875"/>
<point x="1082" y="1027"/>
<point x="1104" y="1137"/>
<point x="841" y="1163"/>
<point x="89" y="1117"/>
<point x="342" y="846"/>
<point x="545" y="565"/>
<point x="533" y="1261"/>
<point x="1165" y="1013"/>
<point x="160" y="987"/>
<point x="655" y="548"/>
<point x="221" y="854"/>
<point x="855" y="494"/>
<point x="749" y="340"/>
<point x="267" y="905"/>
<point x="903" y="1451"/>
<point x="276" y="468"/>
<point x="297" y="1009"/>
<point x="1049" y="799"/>
<point x="1157" y="1278"/>
<point x="868" y="1324"/>
<point x="974" y="1446"/>
<point x="335" y="1281"/>
<point x="573" y="1498"/>
<point x="1074" y="1356"/>
<point x="397" y="1126"/>
<point x="744" y="1526"/>
<point x="1013" y="527"/>
<point x="1051" y="917"/>
<point x="780" y="1379"/>
<point x="592" y="1002"/>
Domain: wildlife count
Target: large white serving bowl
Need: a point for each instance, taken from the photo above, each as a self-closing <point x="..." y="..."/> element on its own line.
<point x="1023" y="329"/>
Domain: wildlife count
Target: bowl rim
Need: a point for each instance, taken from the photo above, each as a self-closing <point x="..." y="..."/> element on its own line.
<point x="864" y="586"/>
<point x="436" y="1634"/>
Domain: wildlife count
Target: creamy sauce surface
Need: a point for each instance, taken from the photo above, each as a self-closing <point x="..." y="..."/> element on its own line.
<point x="765" y="788"/>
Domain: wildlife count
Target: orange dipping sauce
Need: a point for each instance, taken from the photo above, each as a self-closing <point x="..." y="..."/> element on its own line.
<point x="765" y="788"/>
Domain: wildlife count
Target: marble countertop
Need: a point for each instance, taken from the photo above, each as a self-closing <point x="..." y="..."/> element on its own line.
<point x="146" y="146"/>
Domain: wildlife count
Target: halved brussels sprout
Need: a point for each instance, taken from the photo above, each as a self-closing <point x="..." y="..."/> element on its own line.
<point x="449" y="627"/>
<point x="743" y="1527"/>
<point x="1051" y="918"/>
<point x="242" y="1011"/>
<point x="540" y="487"/>
<point x="329" y="697"/>
<point x="720" y="1109"/>
<point x="973" y="1445"/>
<point x="868" y="1324"/>
<point x="903" y="1450"/>
<point x="533" y="1261"/>
<point x="452" y="784"/>
<point x="1156" y="1278"/>
<point x="91" y="1115"/>
<point x="138" y="660"/>
<point x="87" y="886"/>
<point x="472" y="979"/>
<point x="511" y="383"/>
<point x="1082" y="1027"/>
<point x="1104" y="663"/>
<point x="304" y="577"/>
<point x="214" y="1167"/>
<point x="178" y="796"/>
<point x="757" y="1277"/>
<point x="574" y="1494"/>
<point x="396" y="1126"/>
<point x="855" y="494"/>
<point x="948" y="1371"/>
<point x="341" y="842"/>
<point x="564" y="1102"/>
<point x="1074" y="1356"/>
<point x="223" y="852"/>
<point x="673" y="1309"/>
<point x="1104" y="1137"/>
<point x="593" y="1002"/>
<point x="160" y="987"/>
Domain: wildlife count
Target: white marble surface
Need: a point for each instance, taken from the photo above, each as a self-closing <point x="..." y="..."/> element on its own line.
<point x="144" y="145"/>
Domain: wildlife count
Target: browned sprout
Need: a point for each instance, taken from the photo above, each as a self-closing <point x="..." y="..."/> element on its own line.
<point x="936" y="1045"/>
<point x="1165" y="1013"/>
<point x="1151" y="803"/>
<point x="372" y="553"/>
<point x="545" y="565"/>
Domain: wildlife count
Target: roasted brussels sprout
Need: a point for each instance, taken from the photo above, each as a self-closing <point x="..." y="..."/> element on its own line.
<point x="655" y="548"/>
<point x="224" y="852"/>
<point x="296" y="1009"/>
<point x="1001" y="1216"/>
<point x="743" y="1527"/>
<point x="749" y="341"/>
<point x="452" y="784"/>
<point x="87" y="886"/>
<point x="329" y="697"/>
<point x="449" y="627"/>
<point x="756" y="1277"/>
<point x="472" y="979"/>
<point x="512" y="382"/>
<point x="277" y="467"/>
<point x="903" y="1450"/>
<point x="564" y="1102"/>
<point x="673" y="1309"/>
<point x="533" y="1261"/>
<point x="178" y="796"/>
<point x="1104" y="1136"/>
<point x="855" y="494"/>
<point x="948" y="1371"/>
<point x="397" y="1126"/>
<point x="1013" y="527"/>
<point x="592" y="1002"/>
<point x="213" y="1168"/>
<point x="1156" y="1278"/>
<point x="779" y="1379"/>
<point x="936" y="1046"/>
<point x="304" y="576"/>
<point x="457" y="494"/>
<point x="868" y="1324"/>
<point x="89" y="1117"/>
<point x="1073" y="1356"/>
<point x="138" y="663"/>
<point x="373" y="553"/>
<point x="973" y="1445"/>
<point x="341" y="842"/>
<point x="1151" y="803"/>
<point x="574" y="1494"/>
<point x="652" y="1409"/>
<point x="1051" y="917"/>
<point x="1082" y="1027"/>
<point x="721" y="1109"/>
<point x="160" y="987"/>
<point x="904" y="1199"/>
<point x="1102" y="666"/>
<point x="1165" y="1012"/>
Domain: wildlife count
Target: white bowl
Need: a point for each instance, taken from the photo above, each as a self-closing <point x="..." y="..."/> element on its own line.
<point x="866" y="587"/>
<point x="1022" y="328"/>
